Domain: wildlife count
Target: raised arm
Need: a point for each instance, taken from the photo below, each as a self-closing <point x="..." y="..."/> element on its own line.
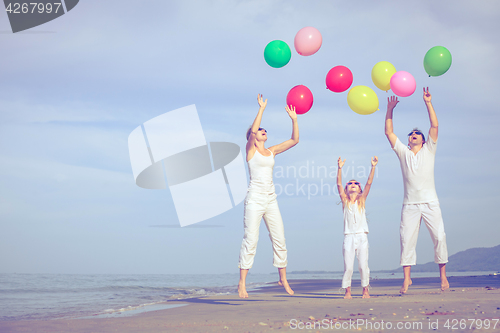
<point x="279" y="148"/>
<point x="433" y="132"/>
<point x="370" y="177"/>
<point x="256" y="124"/>
<point x="343" y="196"/>
<point x="389" y="132"/>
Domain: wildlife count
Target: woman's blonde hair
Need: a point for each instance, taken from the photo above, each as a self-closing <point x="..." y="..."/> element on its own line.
<point x="360" y="200"/>
<point x="248" y="132"/>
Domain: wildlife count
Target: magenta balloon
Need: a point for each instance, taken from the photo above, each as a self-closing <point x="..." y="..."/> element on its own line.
<point x="403" y="84"/>
<point x="339" y="79"/>
<point x="307" y="41"/>
<point x="301" y="98"/>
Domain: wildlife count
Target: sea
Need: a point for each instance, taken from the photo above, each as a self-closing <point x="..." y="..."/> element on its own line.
<point x="66" y="296"/>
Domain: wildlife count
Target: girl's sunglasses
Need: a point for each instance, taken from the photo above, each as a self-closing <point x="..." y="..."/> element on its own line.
<point x="262" y="129"/>
<point x="355" y="183"/>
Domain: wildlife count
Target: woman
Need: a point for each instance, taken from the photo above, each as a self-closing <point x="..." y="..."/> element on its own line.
<point x="355" y="228"/>
<point x="260" y="201"/>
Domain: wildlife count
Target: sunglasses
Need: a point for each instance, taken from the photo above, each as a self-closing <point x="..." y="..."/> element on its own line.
<point x="355" y="183"/>
<point x="262" y="129"/>
<point x="416" y="132"/>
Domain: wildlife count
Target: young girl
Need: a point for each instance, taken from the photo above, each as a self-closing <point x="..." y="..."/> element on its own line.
<point x="260" y="201"/>
<point x="355" y="228"/>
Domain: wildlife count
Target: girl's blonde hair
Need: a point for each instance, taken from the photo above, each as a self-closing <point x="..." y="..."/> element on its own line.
<point x="360" y="200"/>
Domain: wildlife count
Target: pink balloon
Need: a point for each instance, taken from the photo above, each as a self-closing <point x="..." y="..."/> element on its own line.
<point x="339" y="79"/>
<point x="307" y="41"/>
<point x="301" y="98"/>
<point x="403" y="84"/>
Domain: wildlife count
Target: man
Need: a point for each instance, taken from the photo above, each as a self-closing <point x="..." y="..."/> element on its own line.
<point x="420" y="197"/>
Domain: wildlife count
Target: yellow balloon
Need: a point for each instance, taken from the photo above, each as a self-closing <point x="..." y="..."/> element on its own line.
<point x="362" y="100"/>
<point x="382" y="73"/>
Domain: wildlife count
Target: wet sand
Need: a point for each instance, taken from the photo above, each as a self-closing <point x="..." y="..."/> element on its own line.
<point x="471" y="304"/>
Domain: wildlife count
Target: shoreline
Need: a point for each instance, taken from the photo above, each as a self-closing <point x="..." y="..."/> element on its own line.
<point x="316" y="302"/>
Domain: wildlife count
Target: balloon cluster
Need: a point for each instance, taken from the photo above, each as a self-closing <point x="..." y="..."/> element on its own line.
<point x="277" y="54"/>
<point x="361" y="99"/>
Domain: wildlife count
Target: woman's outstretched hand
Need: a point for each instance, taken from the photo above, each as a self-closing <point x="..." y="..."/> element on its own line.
<point x="374" y="160"/>
<point x="262" y="102"/>
<point x="291" y="111"/>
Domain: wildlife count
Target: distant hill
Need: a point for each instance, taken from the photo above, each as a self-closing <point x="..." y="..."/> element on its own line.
<point x="479" y="259"/>
<point x="476" y="259"/>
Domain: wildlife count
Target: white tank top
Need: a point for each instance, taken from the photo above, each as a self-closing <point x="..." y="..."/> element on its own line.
<point x="354" y="219"/>
<point x="261" y="173"/>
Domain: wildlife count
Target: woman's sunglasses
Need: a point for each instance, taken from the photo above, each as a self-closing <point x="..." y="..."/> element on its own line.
<point x="355" y="183"/>
<point x="262" y="129"/>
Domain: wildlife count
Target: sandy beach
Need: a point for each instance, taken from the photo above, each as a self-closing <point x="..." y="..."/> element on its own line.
<point x="471" y="303"/>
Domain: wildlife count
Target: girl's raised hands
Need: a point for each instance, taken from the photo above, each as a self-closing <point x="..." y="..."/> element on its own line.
<point x="340" y="163"/>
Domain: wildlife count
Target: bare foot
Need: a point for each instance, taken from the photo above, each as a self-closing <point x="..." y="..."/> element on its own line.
<point x="242" y="290"/>
<point x="285" y="285"/>
<point x="444" y="284"/>
<point x="348" y="293"/>
<point x="406" y="284"/>
<point x="365" y="292"/>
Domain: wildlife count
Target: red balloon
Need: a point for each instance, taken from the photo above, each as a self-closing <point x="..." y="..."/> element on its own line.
<point x="301" y="98"/>
<point x="339" y="79"/>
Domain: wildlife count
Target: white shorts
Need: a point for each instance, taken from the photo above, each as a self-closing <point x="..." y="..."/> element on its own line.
<point x="411" y="215"/>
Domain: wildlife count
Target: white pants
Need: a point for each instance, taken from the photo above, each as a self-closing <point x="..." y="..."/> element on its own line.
<point x="258" y="206"/>
<point x="355" y="245"/>
<point x="411" y="216"/>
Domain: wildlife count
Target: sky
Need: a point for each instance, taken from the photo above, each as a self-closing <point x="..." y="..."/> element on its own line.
<point x="73" y="89"/>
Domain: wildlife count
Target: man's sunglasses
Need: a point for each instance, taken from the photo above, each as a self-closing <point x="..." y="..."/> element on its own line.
<point x="416" y="132"/>
<point x="355" y="183"/>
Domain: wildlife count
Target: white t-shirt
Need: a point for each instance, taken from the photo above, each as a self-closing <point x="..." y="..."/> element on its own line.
<point x="418" y="172"/>
<point x="354" y="219"/>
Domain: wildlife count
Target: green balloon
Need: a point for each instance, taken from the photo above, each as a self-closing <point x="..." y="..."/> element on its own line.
<point x="437" y="61"/>
<point x="277" y="53"/>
